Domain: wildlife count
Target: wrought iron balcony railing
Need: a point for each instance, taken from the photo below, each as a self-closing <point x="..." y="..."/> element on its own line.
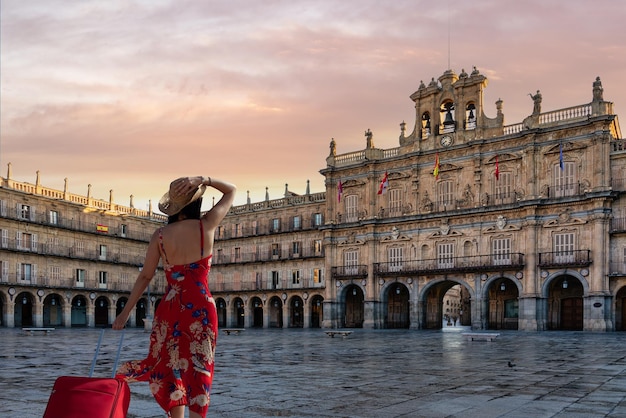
<point x="490" y="262"/>
<point x="572" y="258"/>
<point x="349" y="272"/>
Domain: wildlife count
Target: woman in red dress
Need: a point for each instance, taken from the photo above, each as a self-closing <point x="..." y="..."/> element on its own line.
<point x="179" y="366"/>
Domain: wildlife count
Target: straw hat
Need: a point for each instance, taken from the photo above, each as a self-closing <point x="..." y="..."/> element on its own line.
<point x="172" y="203"/>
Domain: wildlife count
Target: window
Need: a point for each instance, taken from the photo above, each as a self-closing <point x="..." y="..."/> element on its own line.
<point x="125" y="280"/>
<point x="275" y="251"/>
<point x="317" y="247"/>
<point x="395" y="202"/>
<point x="503" y="188"/>
<point x="24" y="212"/>
<point x="395" y="257"/>
<point x="317" y="219"/>
<point x="295" y="277"/>
<point x="255" y="227"/>
<point x="501" y="251"/>
<point x="4" y="272"/>
<point x="237" y="253"/>
<point x="275" y="225"/>
<point x="565" y="180"/>
<point x="445" y="195"/>
<point x="102" y="252"/>
<point x="80" y="277"/>
<point x="79" y="247"/>
<point x="53" y="217"/>
<point x="237" y="230"/>
<point x="564" y="248"/>
<point x="26" y="241"/>
<point x="351" y="261"/>
<point x="219" y="232"/>
<point x="123" y="230"/>
<point x="259" y="280"/>
<point x="102" y="279"/>
<point x="317" y="276"/>
<point x="3" y="208"/>
<point x="5" y="238"/>
<point x="297" y="223"/>
<point x="445" y="255"/>
<point x="295" y="248"/>
<point x="55" y="273"/>
<point x="275" y="280"/>
<point x="26" y="272"/>
<point x="352" y="208"/>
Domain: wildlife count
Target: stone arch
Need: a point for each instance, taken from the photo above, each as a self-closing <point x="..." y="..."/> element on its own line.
<point x="430" y="300"/>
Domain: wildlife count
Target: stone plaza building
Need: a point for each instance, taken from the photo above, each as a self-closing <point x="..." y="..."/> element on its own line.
<point x="525" y="222"/>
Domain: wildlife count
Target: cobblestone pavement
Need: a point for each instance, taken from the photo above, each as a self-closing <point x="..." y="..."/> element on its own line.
<point x="371" y="373"/>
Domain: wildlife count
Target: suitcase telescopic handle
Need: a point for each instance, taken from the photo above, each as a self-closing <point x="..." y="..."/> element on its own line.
<point x="117" y="357"/>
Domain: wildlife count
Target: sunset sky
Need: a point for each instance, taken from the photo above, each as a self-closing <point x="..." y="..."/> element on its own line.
<point x="130" y="94"/>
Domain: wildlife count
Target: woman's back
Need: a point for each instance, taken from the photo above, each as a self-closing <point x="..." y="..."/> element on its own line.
<point x="183" y="244"/>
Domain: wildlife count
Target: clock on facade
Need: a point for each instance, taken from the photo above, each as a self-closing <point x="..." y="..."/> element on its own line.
<point x="446" y="140"/>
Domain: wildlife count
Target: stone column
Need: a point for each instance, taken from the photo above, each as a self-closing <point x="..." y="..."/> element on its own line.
<point x="67" y="314"/>
<point x="37" y="314"/>
<point x="10" y="314"/>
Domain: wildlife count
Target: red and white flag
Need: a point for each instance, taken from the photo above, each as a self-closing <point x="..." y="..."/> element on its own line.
<point x="384" y="183"/>
<point x="339" y="191"/>
<point x="497" y="172"/>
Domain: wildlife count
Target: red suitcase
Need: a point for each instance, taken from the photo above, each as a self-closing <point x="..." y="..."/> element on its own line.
<point x="89" y="397"/>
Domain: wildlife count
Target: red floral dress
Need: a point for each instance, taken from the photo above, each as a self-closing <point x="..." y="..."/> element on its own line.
<point x="180" y="364"/>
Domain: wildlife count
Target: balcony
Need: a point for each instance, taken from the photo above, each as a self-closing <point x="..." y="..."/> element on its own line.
<point x="73" y="252"/>
<point x="349" y="272"/>
<point x="573" y="258"/>
<point x="490" y="262"/>
<point x="262" y="256"/>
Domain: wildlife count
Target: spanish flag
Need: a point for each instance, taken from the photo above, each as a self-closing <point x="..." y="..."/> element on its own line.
<point x="436" y="170"/>
<point x="102" y="228"/>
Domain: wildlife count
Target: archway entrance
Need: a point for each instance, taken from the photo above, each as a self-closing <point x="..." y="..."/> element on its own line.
<point x="140" y="312"/>
<point x="221" y="312"/>
<point x="257" y="312"/>
<point x="79" y="312"/>
<point x="565" y="304"/>
<point x="297" y="313"/>
<point x="239" y="313"/>
<point x="354" y="307"/>
<point x="454" y="311"/>
<point x="276" y="312"/>
<point x="52" y="311"/>
<point x="620" y="310"/>
<point x="101" y="313"/>
<point x="23" y="316"/>
<point x="397" y="307"/>
<point x="317" y="312"/>
<point x="503" y="305"/>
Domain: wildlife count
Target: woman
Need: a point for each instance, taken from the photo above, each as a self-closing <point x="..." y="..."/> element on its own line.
<point x="179" y="365"/>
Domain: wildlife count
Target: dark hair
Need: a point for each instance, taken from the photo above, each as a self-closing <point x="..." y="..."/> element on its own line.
<point x="191" y="211"/>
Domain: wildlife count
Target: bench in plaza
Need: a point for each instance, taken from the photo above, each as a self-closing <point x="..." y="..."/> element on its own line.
<point x="235" y="331"/>
<point x="33" y="330"/>
<point x="332" y="334"/>
<point x="487" y="336"/>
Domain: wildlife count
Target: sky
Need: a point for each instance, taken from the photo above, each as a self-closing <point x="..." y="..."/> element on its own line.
<point x="127" y="95"/>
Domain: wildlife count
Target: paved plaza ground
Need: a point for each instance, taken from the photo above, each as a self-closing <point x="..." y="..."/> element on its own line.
<point x="371" y="373"/>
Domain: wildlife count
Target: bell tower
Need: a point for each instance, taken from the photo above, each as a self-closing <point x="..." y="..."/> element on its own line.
<point x="449" y="111"/>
